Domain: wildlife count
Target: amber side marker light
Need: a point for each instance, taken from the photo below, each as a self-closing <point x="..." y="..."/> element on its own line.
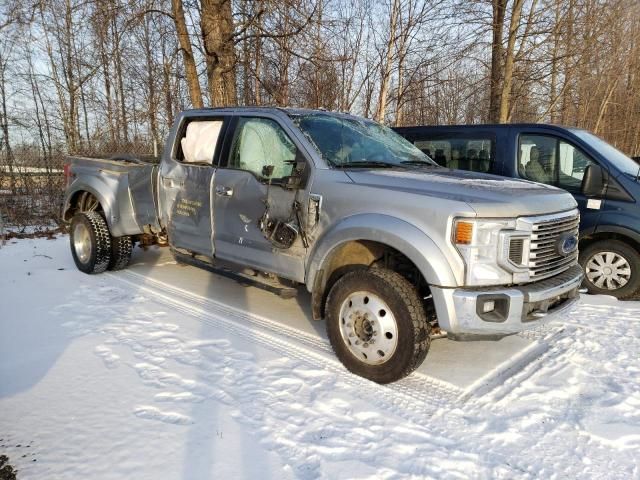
<point x="464" y="233"/>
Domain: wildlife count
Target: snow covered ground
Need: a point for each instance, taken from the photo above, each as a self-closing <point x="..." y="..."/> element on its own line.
<point x="127" y="376"/>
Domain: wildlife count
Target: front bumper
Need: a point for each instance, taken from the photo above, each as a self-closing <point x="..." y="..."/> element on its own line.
<point x="460" y="311"/>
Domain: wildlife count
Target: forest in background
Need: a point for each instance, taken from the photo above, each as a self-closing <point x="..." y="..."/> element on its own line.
<point x="98" y="76"/>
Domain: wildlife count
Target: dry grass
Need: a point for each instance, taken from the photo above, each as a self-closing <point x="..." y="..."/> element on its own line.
<point x="31" y="191"/>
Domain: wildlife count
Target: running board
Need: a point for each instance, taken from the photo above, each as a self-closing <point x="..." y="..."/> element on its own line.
<point x="271" y="285"/>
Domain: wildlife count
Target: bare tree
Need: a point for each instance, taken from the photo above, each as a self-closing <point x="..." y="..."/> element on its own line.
<point x="219" y="46"/>
<point x="188" y="59"/>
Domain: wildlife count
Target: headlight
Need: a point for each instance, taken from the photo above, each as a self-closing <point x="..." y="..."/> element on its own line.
<point x="478" y="242"/>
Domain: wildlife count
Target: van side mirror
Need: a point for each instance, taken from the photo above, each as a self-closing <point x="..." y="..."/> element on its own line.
<point x="593" y="182"/>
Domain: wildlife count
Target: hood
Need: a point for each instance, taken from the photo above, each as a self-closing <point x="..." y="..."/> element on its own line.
<point x="488" y="195"/>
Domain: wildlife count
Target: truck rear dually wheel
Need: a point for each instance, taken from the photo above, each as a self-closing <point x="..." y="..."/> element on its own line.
<point x="121" y="248"/>
<point x="611" y="267"/>
<point x="90" y="242"/>
<point x="377" y="324"/>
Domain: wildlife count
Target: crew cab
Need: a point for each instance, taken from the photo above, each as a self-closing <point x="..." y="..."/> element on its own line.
<point x="604" y="182"/>
<point x="389" y="244"/>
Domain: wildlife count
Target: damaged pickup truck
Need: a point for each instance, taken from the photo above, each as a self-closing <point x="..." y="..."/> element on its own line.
<point x="389" y="244"/>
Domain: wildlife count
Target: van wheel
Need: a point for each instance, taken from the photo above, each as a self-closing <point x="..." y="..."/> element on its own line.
<point x="90" y="242"/>
<point x="377" y="324"/>
<point x="121" y="248"/>
<point x="611" y="267"/>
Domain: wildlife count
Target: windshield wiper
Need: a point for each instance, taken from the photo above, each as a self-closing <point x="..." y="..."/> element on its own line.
<point x="420" y="163"/>
<point x="365" y="164"/>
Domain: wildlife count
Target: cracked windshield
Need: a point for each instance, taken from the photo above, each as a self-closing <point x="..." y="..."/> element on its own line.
<point x="349" y="142"/>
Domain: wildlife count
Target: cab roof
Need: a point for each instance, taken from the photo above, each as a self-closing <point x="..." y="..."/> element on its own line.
<point x="290" y="111"/>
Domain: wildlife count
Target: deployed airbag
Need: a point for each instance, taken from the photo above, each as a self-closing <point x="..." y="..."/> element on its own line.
<point x="199" y="143"/>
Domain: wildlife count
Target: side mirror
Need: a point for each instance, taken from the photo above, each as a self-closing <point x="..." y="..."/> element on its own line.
<point x="297" y="178"/>
<point x="593" y="182"/>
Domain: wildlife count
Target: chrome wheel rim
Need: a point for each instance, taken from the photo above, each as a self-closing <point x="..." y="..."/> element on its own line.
<point x="82" y="242"/>
<point x="368" y="328"/>
<point x="608" y="270"/>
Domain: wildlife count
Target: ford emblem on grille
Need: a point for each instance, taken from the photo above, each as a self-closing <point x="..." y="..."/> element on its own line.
<point x="566" y="243"/>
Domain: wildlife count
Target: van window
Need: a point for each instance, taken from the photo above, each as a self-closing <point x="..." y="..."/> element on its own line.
<point x="473" y="154"/>
<point x="611" y="153"/>
<point x="550" y="160"/>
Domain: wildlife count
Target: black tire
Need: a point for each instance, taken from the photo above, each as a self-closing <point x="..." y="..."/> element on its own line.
<point x="622" y="250"/>
<point x="413" y="328"/>
<point x="96" y="258"/>
<point x="121" y="248"/>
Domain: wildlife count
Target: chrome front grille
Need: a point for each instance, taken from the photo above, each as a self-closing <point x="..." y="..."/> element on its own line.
<point x="544" y="258"/>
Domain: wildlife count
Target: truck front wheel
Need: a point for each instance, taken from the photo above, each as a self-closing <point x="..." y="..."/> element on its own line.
<point x="377" y="324"/>
<point x="611" y="267"/>
<point x="90" y="242"/>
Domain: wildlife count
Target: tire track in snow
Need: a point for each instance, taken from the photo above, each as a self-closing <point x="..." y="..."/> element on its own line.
<point x="583" y="399"/>
<point x="308" y="420"/>
<point x="413" y="400"/>
<point x="445" y="414"/>
<point x="418" y="386"/>
<point x="305" y="433"/>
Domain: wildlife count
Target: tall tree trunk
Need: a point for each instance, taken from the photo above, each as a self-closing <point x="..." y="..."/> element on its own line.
<point x="387" y="63"/>
<point x="495" y="81"/>
<point x="257" y="93"/>
<point x="39" y="121"/>
<point x="603" y="105"/>
<point x="166" y="84"/>
<point x="53" y="64"/>
<point x="101" y="28"/>
<point x="117" y="60"/>
<point x="85" y="113"/>
<point x="4" y="125"/>
<point x="195" y="93"/>
<point x="72" y="121"/>
<point x="152" y="106"/>
<point x="217" y="35"/>
<point x="83" y="99"/>
<point x="509" y="61"/>
<point x="402" y="56"/>
<point x="245" y="60"/>
<point x="553" y="95"/>
<point x="567" y="64"/>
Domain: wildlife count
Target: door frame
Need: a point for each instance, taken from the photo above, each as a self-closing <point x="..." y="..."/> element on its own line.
<point x="172" y="164"/>
<point x="304" y="192"/>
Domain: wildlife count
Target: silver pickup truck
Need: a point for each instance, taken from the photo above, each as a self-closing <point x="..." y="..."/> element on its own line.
<point x="389" y="244"/>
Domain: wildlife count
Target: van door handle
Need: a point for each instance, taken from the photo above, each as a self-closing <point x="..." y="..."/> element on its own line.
<point x="223" y="191"/>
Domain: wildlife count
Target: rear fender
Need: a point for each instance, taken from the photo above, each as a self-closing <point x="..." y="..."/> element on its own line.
<point x="115" y="201"/>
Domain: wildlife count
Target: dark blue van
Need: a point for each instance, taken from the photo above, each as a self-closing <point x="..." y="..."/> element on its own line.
<point x="604" y="182"/>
